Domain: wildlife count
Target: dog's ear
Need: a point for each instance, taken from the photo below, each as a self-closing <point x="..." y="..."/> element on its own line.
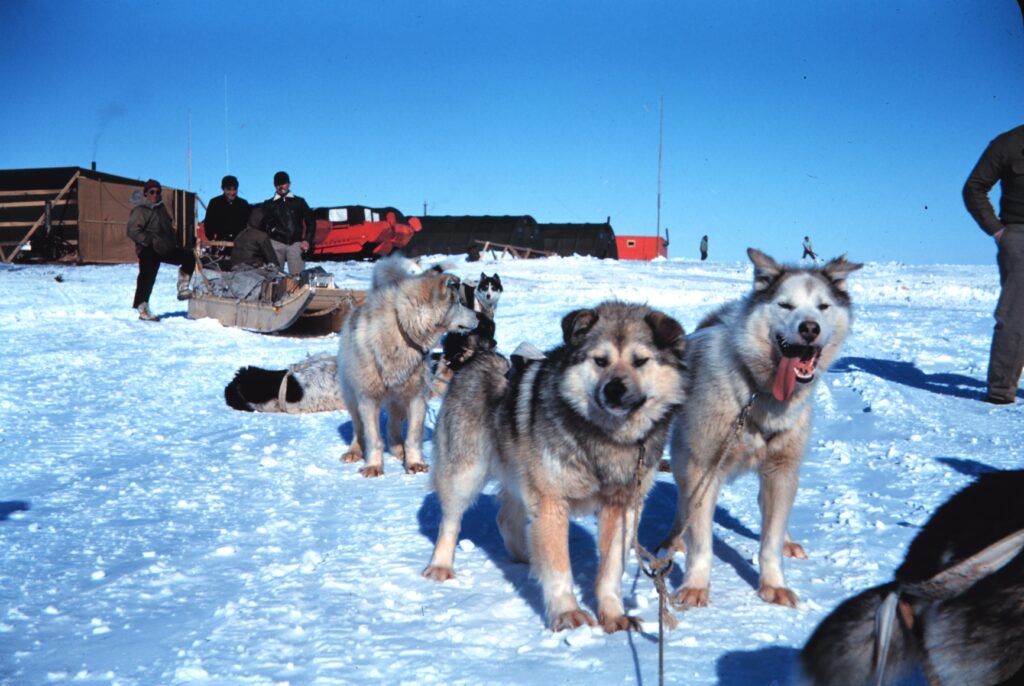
<point x="483" y="277"/>
<point x="668" y="333"/>
<point x="838" y="269"/>
<point x="447" y="282"/>
<point x="766" y="269"/>
<point x="576" y="324"/>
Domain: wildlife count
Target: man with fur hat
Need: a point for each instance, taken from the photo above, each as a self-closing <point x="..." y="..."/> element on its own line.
<point x="151" y="228"/>
<point x="226" y="214"/>
<point x="290" y="224"/>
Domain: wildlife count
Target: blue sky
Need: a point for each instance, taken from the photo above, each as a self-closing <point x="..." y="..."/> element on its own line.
<point x="856" y="123"/>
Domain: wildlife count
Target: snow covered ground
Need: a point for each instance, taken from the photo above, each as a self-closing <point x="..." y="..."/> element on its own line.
<point x="151" y="535"/>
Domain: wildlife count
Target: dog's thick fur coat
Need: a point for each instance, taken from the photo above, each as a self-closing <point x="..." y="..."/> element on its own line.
<point x="958" y="601"/>
<point x="382" y="359"/>
<point x="564" y="435"/>
<point x="750" y="372"/>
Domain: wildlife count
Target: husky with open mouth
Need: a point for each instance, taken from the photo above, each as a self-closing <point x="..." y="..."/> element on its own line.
<point x="751" y="368"/>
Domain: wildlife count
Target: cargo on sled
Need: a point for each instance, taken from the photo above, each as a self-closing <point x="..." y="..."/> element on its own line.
<point x="266" y="301"/>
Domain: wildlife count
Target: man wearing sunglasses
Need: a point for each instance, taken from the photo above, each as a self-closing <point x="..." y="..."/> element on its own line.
<point x="156" y="242"/>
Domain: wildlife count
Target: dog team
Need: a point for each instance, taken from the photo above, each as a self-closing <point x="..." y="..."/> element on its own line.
<point x="581" y="429"/>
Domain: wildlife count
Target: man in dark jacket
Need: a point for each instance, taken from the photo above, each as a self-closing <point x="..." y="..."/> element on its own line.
<point x="290" y="223"/>
<point x="1003" y="162"/>
<point x="226" y="214"/>
<point x="253" y="248"/>
<point x="156" y="242"/>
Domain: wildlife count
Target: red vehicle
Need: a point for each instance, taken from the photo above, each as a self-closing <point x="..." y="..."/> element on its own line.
<point x="360" y="232"/>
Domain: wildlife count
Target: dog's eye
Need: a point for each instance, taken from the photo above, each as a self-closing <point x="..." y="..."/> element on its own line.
<point x="640" y="361"/>
<point x="787" y="306"/>
<point x="601" y="361"/>
<point x="823" y="306"/>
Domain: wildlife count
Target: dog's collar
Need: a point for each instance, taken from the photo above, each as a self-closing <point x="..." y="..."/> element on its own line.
<point x="409" y="341"/>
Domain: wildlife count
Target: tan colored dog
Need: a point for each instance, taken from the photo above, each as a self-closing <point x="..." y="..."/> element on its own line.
<point x="382" y="359"/>
<point x="565" y="435"/>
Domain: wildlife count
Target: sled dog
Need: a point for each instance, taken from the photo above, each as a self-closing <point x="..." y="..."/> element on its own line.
<point x="956" y="607"/>
<point x="309" y="386"/>
<point x="566" y="434"/>
<point x="458" y="347"/>
<point x="483" y="295"/>
<point x="382" y="359"/>
<point x="752" y="365"/>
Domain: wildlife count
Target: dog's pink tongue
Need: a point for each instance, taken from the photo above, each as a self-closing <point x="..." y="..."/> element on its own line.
<point x="785" y="378"/>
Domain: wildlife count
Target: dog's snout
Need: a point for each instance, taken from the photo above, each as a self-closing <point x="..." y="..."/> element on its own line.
<point x="614" y="391"/>
<point x="809" y="330"/>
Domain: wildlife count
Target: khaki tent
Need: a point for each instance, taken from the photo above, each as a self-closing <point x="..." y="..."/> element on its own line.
<point x="77" y="215"/>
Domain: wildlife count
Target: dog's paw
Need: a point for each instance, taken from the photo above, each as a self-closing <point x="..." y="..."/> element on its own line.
<point x="371" y="471"/>
<point x="685" y="598"/>
<point x="571" y="620"/>
<point x="352" y="456"/>
<point x="777" y="595"/>
<point x="439" y="573"/>
<point x="416" y="468"/>
<point x="791" y="549"/>
<point x="620" y="623"/>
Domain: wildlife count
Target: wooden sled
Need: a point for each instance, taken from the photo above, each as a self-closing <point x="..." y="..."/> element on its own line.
<point x="283" y="307"/>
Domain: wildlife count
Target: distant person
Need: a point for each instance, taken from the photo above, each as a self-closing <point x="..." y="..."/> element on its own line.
<point x="290" y="223"/>
<point x="253" y="248"/>
<point x="156" y="242"/>
<point x="704" y="248"/>
<point x="1003" y="162"/>
<point x="226" y="214"/>
<point x="808" y="249"/>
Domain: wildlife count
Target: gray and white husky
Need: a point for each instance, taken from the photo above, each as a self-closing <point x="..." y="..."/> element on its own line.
<point x="752" y="365"/>
<point x="570" y="433"/>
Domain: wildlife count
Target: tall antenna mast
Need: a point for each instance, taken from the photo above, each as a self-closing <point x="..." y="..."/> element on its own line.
<point x="661" y="132"/>
<point x="227" y="159"/>
<point x="188" y="187"/>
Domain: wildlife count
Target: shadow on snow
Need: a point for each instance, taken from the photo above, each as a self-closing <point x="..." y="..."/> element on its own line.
<point x="906" y="373"/>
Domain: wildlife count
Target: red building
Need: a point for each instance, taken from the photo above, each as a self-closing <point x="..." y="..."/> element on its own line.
<point x="641" y="247"/>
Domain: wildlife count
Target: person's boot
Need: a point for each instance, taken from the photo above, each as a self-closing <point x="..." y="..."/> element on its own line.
<point x="184" y="292"/>
<point x="145" y="315"/>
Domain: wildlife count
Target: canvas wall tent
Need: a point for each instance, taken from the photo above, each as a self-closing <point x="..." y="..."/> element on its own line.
<point x="453" y="235"/>
<point x="75" y="214"/>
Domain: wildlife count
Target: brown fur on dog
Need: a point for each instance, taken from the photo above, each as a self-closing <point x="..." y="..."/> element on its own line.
<point x="564" y="436"/>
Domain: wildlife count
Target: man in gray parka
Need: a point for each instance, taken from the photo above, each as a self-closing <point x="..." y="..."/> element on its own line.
<point x="156" y="242"/>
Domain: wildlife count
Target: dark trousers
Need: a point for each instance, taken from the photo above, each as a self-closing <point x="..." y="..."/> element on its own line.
<point x="1007" y="357"/>
<point x="149" y="265"/>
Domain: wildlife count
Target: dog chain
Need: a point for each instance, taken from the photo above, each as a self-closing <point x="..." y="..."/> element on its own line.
<point x="657" y="569"/>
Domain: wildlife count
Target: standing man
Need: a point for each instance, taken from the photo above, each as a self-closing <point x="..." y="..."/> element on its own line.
<point x="704" y="248"/>
<point x="808" y="249"/>
<point x="1003" y="162"/>
<point x="156" y="242"/>
<point x="290" y="224"/>
<point x="227" y="214"/>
